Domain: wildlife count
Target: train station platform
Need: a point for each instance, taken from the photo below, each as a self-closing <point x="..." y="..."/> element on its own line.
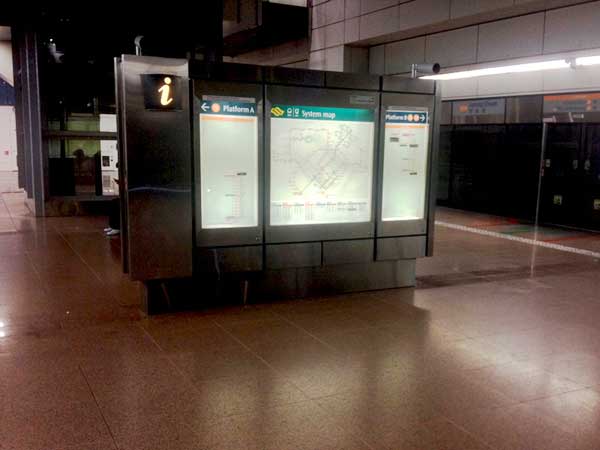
<point x="497" y="347"/>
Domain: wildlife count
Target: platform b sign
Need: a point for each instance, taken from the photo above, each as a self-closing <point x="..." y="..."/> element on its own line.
<point x="162" y="92"/>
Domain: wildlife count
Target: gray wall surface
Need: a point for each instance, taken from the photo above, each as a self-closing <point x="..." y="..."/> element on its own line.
<point x="386" y="36"/>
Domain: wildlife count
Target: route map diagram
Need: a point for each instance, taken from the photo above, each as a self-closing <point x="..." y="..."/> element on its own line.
<point x="321" y="171"/>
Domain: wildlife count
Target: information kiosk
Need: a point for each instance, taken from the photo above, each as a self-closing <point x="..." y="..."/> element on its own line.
<point x="263" y="183"/>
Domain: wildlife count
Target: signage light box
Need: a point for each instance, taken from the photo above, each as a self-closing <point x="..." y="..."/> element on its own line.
<point x="228" y="162"/>
<point x="405" y="164"/>
<point x="321" y="165"/>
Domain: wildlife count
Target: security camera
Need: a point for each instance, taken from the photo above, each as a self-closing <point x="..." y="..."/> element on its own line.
<point x="425" y="69"/>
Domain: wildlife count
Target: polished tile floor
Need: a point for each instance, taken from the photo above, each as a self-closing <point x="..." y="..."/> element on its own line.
<point x="498" y="347"/>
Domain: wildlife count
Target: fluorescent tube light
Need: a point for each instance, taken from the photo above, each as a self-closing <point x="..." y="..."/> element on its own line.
<point x="515" y="68"/>
<point x="587" y="61"/>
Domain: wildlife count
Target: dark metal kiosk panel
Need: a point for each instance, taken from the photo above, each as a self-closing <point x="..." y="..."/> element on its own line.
<point x="273" y="182"/>
<point x="407" y="85"/>
<point x="294" y="77"/>
<point x="119" y="97"/>
<point x="157" y="170"/>
<point x="320" y="158"/>
<point x="405" y="173"/>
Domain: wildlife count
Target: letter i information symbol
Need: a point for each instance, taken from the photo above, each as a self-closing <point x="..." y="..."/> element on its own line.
<point x="165" y="92"/>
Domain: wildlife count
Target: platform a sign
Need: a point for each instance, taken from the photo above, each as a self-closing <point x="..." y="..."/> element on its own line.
<point x="228" y="162"/>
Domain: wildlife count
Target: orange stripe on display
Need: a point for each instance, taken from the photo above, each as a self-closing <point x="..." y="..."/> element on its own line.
<point x="404" y="125"/>
<point x="564" y="97"/>
<point x="227" y="119"/>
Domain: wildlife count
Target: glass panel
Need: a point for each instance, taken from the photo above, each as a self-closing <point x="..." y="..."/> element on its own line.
<point x="321" y="165"/>
<point x="83" y="122"/>
<point x="476" y="182"/>
<point x="405" y="163"/>
<point x="229" y="162"/>
<point x="82" y="167"/>
<point x="562" y="169"/>
<point x="591" y="178"/>
<point x="444" y="161"/>
<point x="523" y="145"/>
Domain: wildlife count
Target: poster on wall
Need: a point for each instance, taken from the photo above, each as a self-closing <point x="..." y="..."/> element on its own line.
<point x="405" y="164"/>
<point x="228" y="162"/>
<point x="321" y="165"/>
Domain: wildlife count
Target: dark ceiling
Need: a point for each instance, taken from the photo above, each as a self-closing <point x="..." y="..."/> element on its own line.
<point x="108" y="29"/>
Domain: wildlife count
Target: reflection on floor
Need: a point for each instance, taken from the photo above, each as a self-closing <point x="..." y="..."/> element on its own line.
<point x="548" y="236"/>
<point x="497" y="348"/>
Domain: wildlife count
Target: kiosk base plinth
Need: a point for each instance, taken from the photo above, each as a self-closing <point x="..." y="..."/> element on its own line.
<point x="239" y="288"/>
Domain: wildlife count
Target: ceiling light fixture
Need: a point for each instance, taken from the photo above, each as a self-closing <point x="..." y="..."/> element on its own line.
<point x="501" y="70"/>
<point x="587" y="60"/>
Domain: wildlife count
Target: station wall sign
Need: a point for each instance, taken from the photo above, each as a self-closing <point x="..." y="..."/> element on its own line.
<point x="572" y="103"/>
<point x="566" y="108"/>
<point x="490" y="110"/>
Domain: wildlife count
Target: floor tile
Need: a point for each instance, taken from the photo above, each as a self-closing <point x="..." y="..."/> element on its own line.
<point x="436" y="434"/>
<point x="523" y="382"/>
<point x="574" y="412"/>
<point x="516" y="427"/>
<point x="211" y="363"/>
<point x="496" y="348"/>
<point x="65" y="425"/>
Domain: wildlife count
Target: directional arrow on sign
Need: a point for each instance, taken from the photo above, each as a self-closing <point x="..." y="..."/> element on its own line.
<point x="204" y="107"/>
<point x="422" y="117"/>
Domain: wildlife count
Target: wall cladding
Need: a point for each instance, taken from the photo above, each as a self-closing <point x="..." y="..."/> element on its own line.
<point x="567" y="29"/>
<point x="571" y="28"/>
<point x="400" y="55"/>
<point x="564" y="29"/>
<point x="462" y="8"/>
<point x="457" y="47"/>
<point x="486" y="34"/>
<point x="511" y="38"/>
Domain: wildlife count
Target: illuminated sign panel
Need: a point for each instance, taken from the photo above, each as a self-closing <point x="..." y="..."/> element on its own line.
<point x="162" y="92"/>
<point x="228" y="162"/>
<point x="572" y="103"/>
<point x="405" y="164"/>
<point x="321" y="165"/>
<point x="489" y="110"/>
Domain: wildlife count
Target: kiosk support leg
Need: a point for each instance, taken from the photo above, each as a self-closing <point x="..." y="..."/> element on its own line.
<point x="245" y="293"/>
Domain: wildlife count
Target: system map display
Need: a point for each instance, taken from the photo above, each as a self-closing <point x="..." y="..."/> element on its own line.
<point x="405" y="164"/>
<point x="321" y="165"/>
<point x="228" y="162"/>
